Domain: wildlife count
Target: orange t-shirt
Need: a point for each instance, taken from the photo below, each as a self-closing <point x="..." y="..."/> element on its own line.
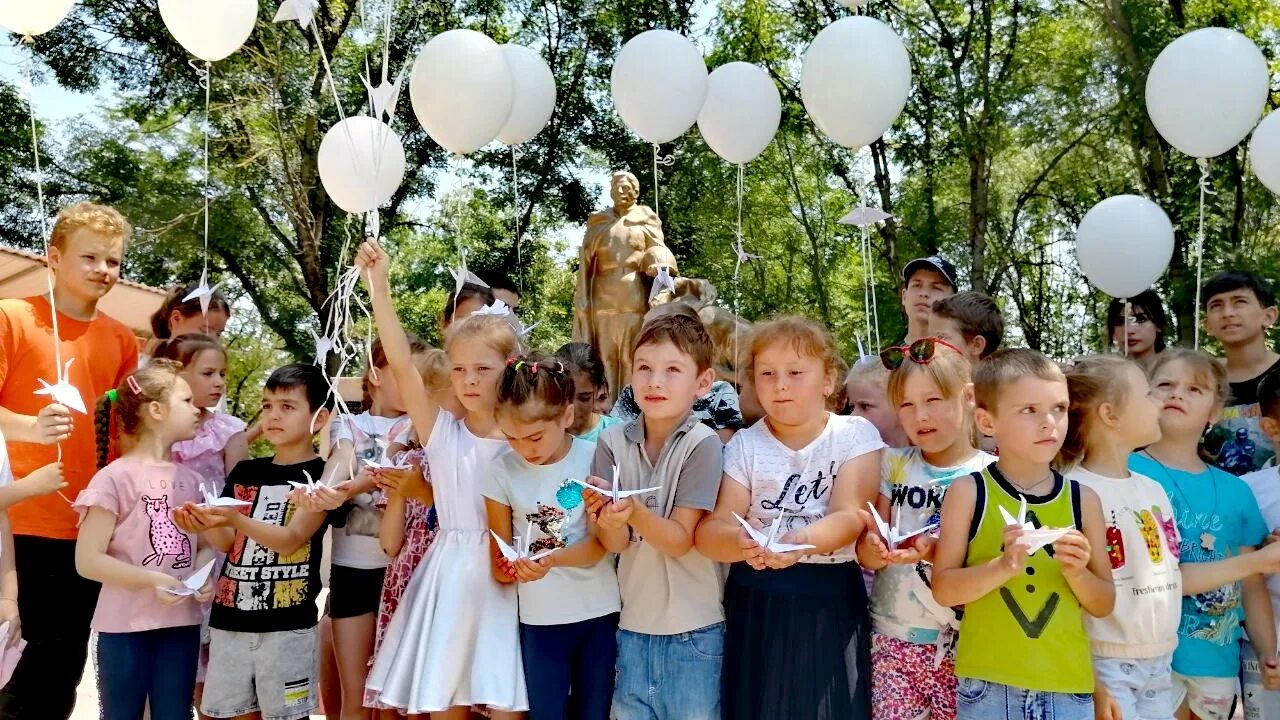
<point x="105" y="351"/>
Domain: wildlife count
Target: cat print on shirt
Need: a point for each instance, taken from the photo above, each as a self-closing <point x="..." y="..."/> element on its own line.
<point x="166" y="539"/>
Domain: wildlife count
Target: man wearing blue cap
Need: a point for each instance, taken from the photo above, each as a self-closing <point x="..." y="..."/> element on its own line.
<point x="924" y="281"/>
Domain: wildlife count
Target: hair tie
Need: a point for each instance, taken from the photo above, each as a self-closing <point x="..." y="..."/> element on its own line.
<point x="534" y="368"/>
<point x="511" y="361"/>
<point x="132" y="382"/>
<point x="113" y="396"/>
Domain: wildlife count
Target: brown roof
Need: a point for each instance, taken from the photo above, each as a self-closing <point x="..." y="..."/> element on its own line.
<point x="129" y="302"/>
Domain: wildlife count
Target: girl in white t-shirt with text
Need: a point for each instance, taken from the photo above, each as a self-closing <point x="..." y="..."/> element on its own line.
<point x="913" y="642"/>
<point x="808" y="470"/>
<point x="1112" y="414"/>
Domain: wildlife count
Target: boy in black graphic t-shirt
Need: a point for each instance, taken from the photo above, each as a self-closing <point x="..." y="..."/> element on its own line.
<point x="262" y="653"/>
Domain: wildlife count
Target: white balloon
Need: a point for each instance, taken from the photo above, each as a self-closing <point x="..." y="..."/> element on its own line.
<point x="742" y="112"/>
<point x="1207" y="90"/>
<point x="33" y="17"/>
<point x="659" y="83"/>
<point x="853" y="4"/>
<point x="462" y="90"/>
<point x="361" y="163"/>
<point x="1264" y="152"/>
<point x="535" y="95"/>
<point x="855" y="80"/>
<point x="210" y="29"/>
<point x="1124" y="244"/>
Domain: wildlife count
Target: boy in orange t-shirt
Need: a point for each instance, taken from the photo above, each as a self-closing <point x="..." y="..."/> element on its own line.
<point x="55" y="604"/>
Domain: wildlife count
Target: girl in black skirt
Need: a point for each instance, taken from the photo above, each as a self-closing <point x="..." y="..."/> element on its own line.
<point x="796" y="622"/>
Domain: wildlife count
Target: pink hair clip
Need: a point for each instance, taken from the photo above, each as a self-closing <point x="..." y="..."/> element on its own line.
<point x="534" y="368"/>
<point x="132" y="382"/>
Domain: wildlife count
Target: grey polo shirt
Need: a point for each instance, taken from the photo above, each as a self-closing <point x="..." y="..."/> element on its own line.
<point x="662" y="595"/>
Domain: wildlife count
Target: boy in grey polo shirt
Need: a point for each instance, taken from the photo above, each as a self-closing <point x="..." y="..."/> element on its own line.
<point x="671" y="636"/>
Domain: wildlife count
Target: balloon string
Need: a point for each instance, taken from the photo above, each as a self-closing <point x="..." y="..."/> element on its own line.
<point x="656" y="205"/>
<point x="871" y="282"/>
<point x="208" y="73"/>
<point x="515" y="202"/>
<point x="43" y="219"/>
<point x="737" y="287"/>
<point x="1205" y="190"/>
<point x="1126" y="327"/>
<point x="866" y="290"/>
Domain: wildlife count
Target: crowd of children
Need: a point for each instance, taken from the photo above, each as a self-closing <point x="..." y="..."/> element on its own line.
<point x="943" y="530"/>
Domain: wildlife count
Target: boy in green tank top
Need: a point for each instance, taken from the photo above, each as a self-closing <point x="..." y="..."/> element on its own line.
<point x="1023" y="651"/>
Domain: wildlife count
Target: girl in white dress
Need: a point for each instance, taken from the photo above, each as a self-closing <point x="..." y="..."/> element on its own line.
<point x="454" y="640"/>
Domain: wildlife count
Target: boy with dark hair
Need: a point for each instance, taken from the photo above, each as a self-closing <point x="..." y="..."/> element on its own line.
<point x="262" y="652"/>
<point x="503" y="288"/>
<point x="1239" y="308"/>
<point x="1265" y="485"/>
<point x="924" y="282"/>
<point x="671" y="594"/>
<point x="971" y="321"/>
<point x="55" y="605"/>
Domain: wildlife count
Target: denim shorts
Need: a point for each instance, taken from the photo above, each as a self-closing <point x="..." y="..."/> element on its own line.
<point x="274" y="673"/>
<point x="669" y="677"/>
<point x="984" y="700"/>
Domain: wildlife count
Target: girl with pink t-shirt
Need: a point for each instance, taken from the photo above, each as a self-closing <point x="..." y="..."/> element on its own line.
<point x="154" y="576"/>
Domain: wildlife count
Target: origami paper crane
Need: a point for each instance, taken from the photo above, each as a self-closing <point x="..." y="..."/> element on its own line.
<point x="864" y="216"/>
<point x="519" y="547"/>
<point x="211" y="500"/>
<point x="63" y="392"/>
<point x="1033" y="538"/>
<point x="663" y="281"/>
<point x="303" y="11"/>
<point x="892" y="536"/>
<point x="385" y="96"/>
<point x="192" y="585"/>
<point x="769" y="541"/>
<point x="614" y="494"/>
<point x="204" y="293"/>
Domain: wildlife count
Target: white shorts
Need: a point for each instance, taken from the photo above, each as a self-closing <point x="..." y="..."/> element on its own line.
<point x="1210" y="698"/>
<point x="1143" y="688"/>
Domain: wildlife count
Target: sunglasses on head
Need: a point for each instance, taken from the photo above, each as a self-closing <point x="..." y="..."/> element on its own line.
<point x="919" y="352"/>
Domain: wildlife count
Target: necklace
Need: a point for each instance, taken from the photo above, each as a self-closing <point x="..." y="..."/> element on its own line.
<point x="1207" y="539"/>
<point x="1027" y="490"/>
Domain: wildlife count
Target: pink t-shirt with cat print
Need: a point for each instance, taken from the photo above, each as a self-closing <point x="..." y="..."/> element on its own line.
<point x="142" y="495"/>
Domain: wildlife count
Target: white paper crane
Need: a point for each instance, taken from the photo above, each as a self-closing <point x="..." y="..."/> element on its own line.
<point x="519" y="547"/>
<point x="864" y="216"/>
<point x="892" y="536"/>
<point x="461" y="276"/>
<point x="192" y="585"/>
<point x="310" y="486"/>
<point x="497" y="308"/>
<point x="614" y="494"/>
<point x="1032" y="538"/>
<point x="663" y="281"/>
<point x="211" y="500"/>
<point x="769" y="541"/>
<point x="384" y="97"/>
<point x="303" y="11"/>
<point x="324" y="346"/>
<point x="63" y="392"/>
<point x="204" y="293"/>
<point x="742" y="256"/>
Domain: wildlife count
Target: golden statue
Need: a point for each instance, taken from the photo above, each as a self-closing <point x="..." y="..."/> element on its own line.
<point x="621" y="254"/>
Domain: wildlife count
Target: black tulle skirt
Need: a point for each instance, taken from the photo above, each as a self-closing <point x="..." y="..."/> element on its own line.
<point x="797" y="644"/>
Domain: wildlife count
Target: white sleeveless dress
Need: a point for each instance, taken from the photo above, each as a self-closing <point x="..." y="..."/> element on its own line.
<point x="454" y="640"/>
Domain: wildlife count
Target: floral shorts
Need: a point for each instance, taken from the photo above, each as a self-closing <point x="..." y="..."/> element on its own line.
<point x="905" y="685"/>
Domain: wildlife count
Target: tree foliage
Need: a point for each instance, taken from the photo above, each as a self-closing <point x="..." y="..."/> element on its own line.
<point x="1022" y="115"/>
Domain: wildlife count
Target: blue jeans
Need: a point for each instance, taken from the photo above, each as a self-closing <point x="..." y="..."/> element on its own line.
<point x="669" y="677"/>
<point x="983" y="700"/>
<point x="577" y="655"/>
<point x="156" y="666"/>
